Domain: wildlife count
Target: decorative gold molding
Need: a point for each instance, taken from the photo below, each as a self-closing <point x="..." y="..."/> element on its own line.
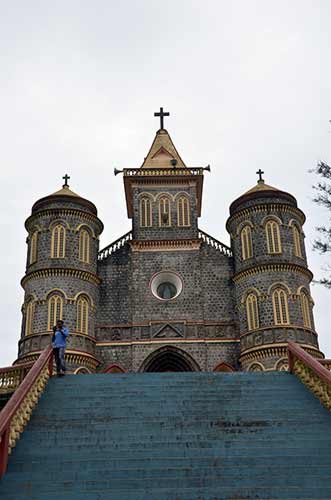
<point x="63" y="212"/>
<point x="72" y="356"/>
<point x="246" y="212"/>
<point x="275" y="350"/>
<point x="272" y="268"/>
<point x="51" y="272"/>
<point x="164" y="245"/>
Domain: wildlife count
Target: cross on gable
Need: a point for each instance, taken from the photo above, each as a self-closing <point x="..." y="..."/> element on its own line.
<point x="66" y="177"/>
<point x="162" y="114"/>
<point x="259" y="173"/>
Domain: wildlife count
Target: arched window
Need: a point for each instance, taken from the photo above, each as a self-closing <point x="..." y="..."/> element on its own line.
<point x="145" y="210"/>
<point x="252" y="312"/>
<point x="273" y="237"/>
<point x="246" y="243"/>
<point x="164" y="212"/>
<point x="84" y="246"/>
<point x="280" y="306"/>
<point x="55" y="310"/>
<point x="82" y="315"/>
<point x="305" y="308"/>
<point x="58" y="242"/>
<point x="296" y="241"/>
<point x="183" y="212"/>
<point x="33" y="247"/>
<point x="29" y="313"/>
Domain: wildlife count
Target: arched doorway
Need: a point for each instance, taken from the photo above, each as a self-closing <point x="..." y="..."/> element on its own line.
<point x="169" y="359"/>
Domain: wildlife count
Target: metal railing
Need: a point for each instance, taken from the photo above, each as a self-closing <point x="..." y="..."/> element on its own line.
<point x="161" y="172"/>
<point x="16" y="413"/>
<point x="212" y="242"/>
<point x="311" y="372"/>
<point x="115" y="245"/>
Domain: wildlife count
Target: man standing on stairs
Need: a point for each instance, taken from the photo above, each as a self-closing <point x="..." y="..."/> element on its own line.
<point x="59" y="339"/>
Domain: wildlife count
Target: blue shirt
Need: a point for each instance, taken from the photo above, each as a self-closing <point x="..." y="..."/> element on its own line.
<point x="60" y="337"/>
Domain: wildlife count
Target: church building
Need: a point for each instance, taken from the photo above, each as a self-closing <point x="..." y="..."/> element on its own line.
<point x="166" y="296"/>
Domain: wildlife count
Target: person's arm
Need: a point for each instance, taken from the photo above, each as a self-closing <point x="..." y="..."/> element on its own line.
<point x="65" y="331"/>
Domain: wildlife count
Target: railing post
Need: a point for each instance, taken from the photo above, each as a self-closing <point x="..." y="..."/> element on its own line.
<point x="290" y="360"/>
<point x="50" y="364"/>
<point x="4" y="443"/>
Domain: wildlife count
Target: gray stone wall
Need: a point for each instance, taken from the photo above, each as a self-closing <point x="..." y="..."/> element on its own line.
<point x="156" y="232"/>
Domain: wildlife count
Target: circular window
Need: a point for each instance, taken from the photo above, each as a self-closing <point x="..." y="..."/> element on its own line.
<point x="166" y="285"/>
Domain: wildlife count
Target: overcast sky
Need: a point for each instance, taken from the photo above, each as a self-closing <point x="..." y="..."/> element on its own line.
<point x="247" y="84"/>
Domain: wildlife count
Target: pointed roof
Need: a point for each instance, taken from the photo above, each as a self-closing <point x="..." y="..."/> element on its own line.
<point x="260" y="192"/>
<point x="65" y="191"/>
<point x="162" y="152"/>
<point x="261" y="186"/>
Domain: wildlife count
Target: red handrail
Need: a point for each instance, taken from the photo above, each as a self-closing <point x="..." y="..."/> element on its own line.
<point x="10" y="409"/>
<point x="294" y="351"/>
<point x="15" y="367"/>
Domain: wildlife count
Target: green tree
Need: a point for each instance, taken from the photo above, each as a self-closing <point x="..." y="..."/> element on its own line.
<point x="323" y="197"/>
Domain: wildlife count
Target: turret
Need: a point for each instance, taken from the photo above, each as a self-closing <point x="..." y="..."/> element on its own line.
<point x="272" y="279"/>
<point x="61" y="279"/>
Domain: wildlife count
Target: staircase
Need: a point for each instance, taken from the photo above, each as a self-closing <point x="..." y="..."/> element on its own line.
<point x="173" y="436"/>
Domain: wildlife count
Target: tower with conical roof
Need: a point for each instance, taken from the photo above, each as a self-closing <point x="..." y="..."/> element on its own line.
<point x="271" y="277"/>
<point x="61" y="280"/>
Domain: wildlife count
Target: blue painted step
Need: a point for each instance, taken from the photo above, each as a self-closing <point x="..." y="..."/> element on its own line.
<point x="185" y="436"/>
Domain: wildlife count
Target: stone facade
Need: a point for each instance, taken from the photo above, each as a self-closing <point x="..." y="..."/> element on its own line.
<point x="167" y="296"/>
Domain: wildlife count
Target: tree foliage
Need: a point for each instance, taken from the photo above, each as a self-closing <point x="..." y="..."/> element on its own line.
<point x="323" y="197"/>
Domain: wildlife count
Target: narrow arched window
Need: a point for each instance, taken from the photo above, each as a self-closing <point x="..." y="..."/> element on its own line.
<point x="252" y="312"/>
<point x="183" y="212"/>
<point x="296" y="242"/>
<point x="164" y="212"/>
<point x="305" y="309"/>
<point x="33" y="247"/>
<point x="280" y="306"/>
<point x="84" y="246"/>
<point x="29" y="313"/>
<point x="82" y="315"/>
<point x="246" y="243"/>
<point x="58" y="242"/>
<point x="55" y="310"/>
<point x="145" y="209"/>
<point x="273" y="237"/>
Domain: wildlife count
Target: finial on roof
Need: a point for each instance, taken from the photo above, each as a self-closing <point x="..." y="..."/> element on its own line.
<point x="66" y="177"/>
<point x="259" y="173"/>
<point x="162" y="114"/>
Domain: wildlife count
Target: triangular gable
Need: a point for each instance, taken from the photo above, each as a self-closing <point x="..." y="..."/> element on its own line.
<point x="162" y="152"/>
<point x="167" y="331"/>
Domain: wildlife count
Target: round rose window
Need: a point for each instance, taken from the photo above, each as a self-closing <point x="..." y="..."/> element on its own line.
<point x="166" y="285"/>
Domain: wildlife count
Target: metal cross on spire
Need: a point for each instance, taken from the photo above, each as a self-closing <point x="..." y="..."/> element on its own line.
<point x="66" y="177"/>
<point x="162" y="114"/>
<point x="259" y="173"/>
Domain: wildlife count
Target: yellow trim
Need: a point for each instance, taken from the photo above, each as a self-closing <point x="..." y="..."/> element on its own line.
<point x="267" y="268"/>
<point x="183" y="211"/>
<point x="305" y="309"/>
<point x="273" y="207"/>
<point x="84" y="246"/>
<point x="164" y="206"/>
<point x="29" y="313"/>
<point x="296" y="241"/>
<point x="76" y="273"/>
<point x="252" y="312"/>
<point x="58" y="244"/>
<point x="280" y="307"/>
<point x="55" y="310"/>
<point x="82" y="315"/>
<point x="246" y="242"/>
<point x="273" y="237"/>
<point x="33" y="248"/>
<point x="145" y="211"/>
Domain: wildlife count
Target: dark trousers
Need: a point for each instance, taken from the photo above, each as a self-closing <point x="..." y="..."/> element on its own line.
<point x="59" y="359"/>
